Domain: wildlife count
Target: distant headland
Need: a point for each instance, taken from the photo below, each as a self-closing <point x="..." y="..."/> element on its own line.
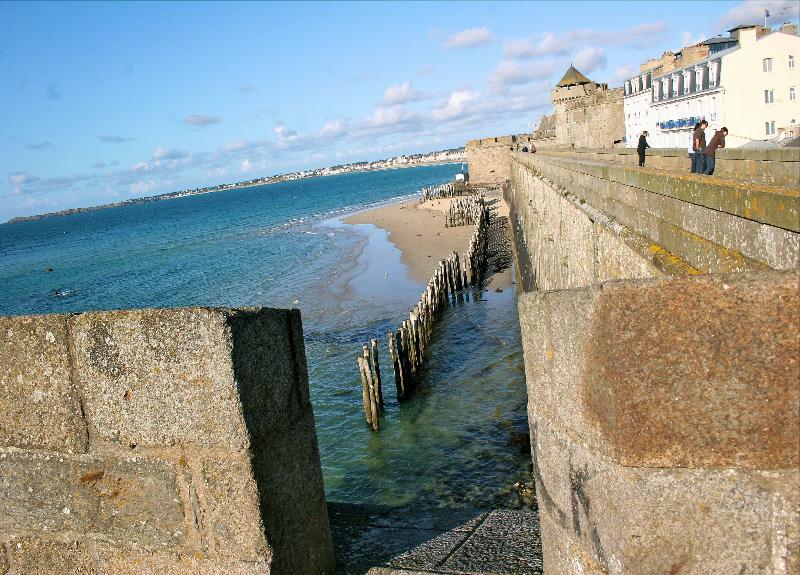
<point x="431" y="158"/>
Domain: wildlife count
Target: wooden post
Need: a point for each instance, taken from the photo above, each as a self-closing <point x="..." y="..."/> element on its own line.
<point x="376" y="369"/>
<point x="363" y="369"/>
<point x="373" y="398"/>
<point x="398" y="373"/>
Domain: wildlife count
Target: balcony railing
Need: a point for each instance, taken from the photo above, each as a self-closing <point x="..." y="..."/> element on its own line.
<point x="680" y="123"/>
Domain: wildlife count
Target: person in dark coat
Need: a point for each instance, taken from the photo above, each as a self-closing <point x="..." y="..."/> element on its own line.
<point x="718" y="141"/>
<point x="643" y="145"/>
<point x="698" y="148"/>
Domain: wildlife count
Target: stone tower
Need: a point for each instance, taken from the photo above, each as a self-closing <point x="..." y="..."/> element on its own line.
<point x="588" y="114"/>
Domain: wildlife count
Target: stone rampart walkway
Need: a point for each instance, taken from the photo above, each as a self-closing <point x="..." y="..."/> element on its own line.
<point x="375" y="540"/>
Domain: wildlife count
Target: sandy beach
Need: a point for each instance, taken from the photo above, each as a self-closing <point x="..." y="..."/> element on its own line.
<point x="418" y="231"/>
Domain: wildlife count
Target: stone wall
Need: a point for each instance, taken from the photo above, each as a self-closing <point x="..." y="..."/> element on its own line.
<point x="159" y="441"/>
<point x="777" y="167"/>
<point x="664" y="406"/>
<point x="593" y="120"/>
<point x="582" y="222"/>
<point x="664" y="424"/>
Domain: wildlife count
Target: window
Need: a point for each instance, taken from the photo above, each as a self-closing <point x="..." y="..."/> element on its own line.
<point x="770" y="127"/>
<point x="791" y="61"/>
<point x="767" y="64"/>
<point x="769" y="96"/>
<point x="792" y="94"/>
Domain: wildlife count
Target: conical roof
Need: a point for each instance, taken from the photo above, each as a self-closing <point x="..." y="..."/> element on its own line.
<point x="573" y="78"/>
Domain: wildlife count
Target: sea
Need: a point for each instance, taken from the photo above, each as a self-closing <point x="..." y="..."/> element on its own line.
<point x="453" y="445"/>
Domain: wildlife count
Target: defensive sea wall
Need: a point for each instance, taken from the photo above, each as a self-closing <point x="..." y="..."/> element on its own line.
<point x="174" y="441"/>
<point x="659" y="328"/>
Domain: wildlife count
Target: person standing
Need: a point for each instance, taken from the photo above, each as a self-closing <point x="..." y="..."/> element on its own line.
<point x="718" y="141"/>
<point x="643" y="145"/>
<point x="698" y="148"/>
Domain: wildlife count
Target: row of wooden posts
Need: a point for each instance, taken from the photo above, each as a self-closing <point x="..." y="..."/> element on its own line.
<point x="407" y="345"/>
<point x="462" y="212"/>
<point x="448" y="190"/>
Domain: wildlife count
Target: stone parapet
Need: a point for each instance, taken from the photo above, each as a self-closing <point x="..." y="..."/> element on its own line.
<point x="585" y="221"/>
<point x="665" y="424"/>
<point x="774" y="167"/>
<point x="159" y="441"/>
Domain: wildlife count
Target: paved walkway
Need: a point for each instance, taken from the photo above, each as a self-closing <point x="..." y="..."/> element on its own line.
<point x="406" y="541"/>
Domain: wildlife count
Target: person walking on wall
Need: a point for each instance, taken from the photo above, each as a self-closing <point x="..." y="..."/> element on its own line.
<point x="643" y="145"/>
<point x="698" y="147"/>
<point x="718" y="141"/>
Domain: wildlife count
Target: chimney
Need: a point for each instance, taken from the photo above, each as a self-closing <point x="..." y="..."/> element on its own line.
<point x="746" y="36"/>
<point x="789" y="28"/>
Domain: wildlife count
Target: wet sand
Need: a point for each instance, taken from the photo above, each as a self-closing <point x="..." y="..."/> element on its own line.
<point x="418" y="232"/>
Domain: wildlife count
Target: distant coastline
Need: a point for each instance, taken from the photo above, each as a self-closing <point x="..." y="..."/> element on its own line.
<point x="415" y="160"/>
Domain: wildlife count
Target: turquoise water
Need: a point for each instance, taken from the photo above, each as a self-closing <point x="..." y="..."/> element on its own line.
<point x="283" y="245"/>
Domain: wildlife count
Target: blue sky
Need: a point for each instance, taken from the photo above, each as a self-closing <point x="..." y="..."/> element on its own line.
<point x="107" y="101"/>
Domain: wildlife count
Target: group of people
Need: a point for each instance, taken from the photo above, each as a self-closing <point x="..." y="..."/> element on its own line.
<point x="702" y="154"/>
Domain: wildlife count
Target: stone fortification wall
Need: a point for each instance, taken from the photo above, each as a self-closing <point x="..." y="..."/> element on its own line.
<point x="579" y="222"/>
<point x="588" y="120"/>
<point x="664" y="407"/>
<point x="664" y="424"/>
<point x="779" y="167"/>
<point x="488" y="158"/>
<point x="159" y="441"/>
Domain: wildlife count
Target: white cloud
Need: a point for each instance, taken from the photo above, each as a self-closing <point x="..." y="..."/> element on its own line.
<point x="200" y="120"/>
<point x="236" y="145"/>
<point x="41" y="146"/>
<point x="468" y="38"/>
<point x="332" y="129"/>
<point x="19" y="178"/>
<point x="511" y="72"/>
<point x="143" y="187"/>
<point x="111" y="139"/>
<point x="643" y="35"/>
<point x="245" y="166"/>
<point x="689" y="39"/>
<point x="286" y="136"/>
<point x="590" y="59"/>
<point x="455" y="105"/>
<point x="387" y="115"/>
<point x="625" y="71"/>
<point x="161" y="153"/>
<point x="548" y="45"/>
<point x="752" y="12"/>
<point x="400" y="94"/>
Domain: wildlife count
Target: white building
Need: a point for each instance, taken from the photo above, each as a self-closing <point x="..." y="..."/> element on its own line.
<point x="636" y="104"/>
<point x="748" y="82"/>
<point x="762" y="80"/>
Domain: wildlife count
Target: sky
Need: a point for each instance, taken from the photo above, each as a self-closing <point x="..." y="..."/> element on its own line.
<point x="102" y="102"/>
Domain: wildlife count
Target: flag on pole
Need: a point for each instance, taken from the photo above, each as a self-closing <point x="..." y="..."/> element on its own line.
<point x="766" y="13"/>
